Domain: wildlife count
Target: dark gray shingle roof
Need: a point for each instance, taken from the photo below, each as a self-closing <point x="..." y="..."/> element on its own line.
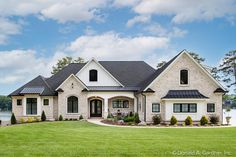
<point x="189" y="94"/>
<point x="107" y="88"/>
<point x="129" y="73"/>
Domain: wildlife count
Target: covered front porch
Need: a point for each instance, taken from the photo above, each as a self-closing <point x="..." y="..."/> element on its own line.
<point x="102" y="104"/>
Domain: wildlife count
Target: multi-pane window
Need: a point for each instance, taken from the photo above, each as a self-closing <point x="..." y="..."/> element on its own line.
<point x="210" y="107"/>
<point x="19" y="102"/>
<point x="45" y="101"/>
<point x="31" y="106"/>
<point x="185" y="108"/>
<point x="93" y="75"/>
<point x="120" y="104"/>
<point x="155" y="107"/>
<point x="72" y="104"/>
<point x="184" y="77"/>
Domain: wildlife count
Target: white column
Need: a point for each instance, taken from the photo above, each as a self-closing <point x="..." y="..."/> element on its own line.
<point x="135" y="104"/>
<point x="24" y="106"/>
<point x="105" y="108"/>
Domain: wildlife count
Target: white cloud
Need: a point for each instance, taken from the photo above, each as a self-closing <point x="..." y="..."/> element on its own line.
<point x="112" y="46"/>
<point x="8" y="28"/>
<point x="21" y="65"/>
<point x="125" y="3"/>
<point x="159" y="30"/>
<point x="138" y="19"/>
<point x="60" y="10"/>
<point x="187" y="10"/>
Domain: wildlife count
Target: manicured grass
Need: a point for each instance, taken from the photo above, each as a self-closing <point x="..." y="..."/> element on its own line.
<point x="74" y="138"/>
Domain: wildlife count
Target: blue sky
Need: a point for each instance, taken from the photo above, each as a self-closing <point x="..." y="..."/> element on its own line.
<point x="35" y="34"/>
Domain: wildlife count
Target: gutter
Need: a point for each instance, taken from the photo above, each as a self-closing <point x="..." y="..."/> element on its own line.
<point x="144" y="106"/>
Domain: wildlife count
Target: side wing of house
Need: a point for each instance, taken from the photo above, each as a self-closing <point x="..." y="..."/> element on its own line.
<point x="184" y="89"/>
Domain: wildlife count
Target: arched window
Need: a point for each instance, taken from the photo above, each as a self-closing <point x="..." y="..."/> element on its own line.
<point x="93" y="75"/>
<point x="72" y="104"/>
<point x="184" y="77"/>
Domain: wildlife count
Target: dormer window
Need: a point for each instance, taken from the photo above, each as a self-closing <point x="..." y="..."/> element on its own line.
<point x="93" y="75"/>
<point x="184" y="77"/>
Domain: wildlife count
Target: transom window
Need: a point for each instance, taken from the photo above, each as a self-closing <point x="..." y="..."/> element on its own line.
<point x="31" y="106"/>
<point x="46" y="102"/>
<point x="93" y="75"/>
<point x="185" y="108"/>
<point x="72" y="104"/>
<point x="120" y="104"/>
<point x="210" y="107"/>
<point x="184" y="77"/>
<point x="19" y="102"/>
<point x="155" y="107"/>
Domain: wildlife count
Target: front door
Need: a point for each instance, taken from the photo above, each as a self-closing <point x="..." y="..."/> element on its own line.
<point x="95" y="108"/>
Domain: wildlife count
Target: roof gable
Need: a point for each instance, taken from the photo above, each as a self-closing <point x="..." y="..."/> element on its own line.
<point x="105" y="78"/>
<point x="171" y="63"/>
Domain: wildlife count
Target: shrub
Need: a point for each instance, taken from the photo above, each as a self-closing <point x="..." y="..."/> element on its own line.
<point x="188" y="121"/>
<point x="204" y="120"/>
<point x="81" y="117"/>
<point x="0" y="122"/>
<point x="156" y="119"/>
<point x="66" y="119"/>
<point x="70" y="119"/>
<point x="136" y="118"/>
<point x="131" y="114"/>
<point x="22" y="120"/>
<point x="214" y="119"/>
<point x="129" y="119"/>
<point x="29" y="120"/>
<point x="60" y="118"/>
<point x="36" y="119"/>
<point x="13" y="119"/>
<point x="173" y="121"/>
<point x="43" y="116"/>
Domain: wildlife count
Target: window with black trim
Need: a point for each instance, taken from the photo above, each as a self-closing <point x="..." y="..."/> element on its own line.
<point x="155" y="107"/>
<point x="46" y="102"/>
<point x="185" y="108"/>
<point x="19" y="102"/>
<point x="72" y="104"/>
<point x="31" y="106"/>
<point x="210" y="107"/>
<point x="120" y="103"/>
<point x="184" y="77"/>
<point x="93" y="75"/>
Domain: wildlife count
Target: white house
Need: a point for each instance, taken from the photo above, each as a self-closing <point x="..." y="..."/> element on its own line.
<point x="182" y="87"/>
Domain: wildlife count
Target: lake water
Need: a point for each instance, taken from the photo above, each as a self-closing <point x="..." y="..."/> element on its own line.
<point x="6" y="116"/>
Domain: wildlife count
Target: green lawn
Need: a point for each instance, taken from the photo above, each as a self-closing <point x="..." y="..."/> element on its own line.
<point x="74" y="138"/>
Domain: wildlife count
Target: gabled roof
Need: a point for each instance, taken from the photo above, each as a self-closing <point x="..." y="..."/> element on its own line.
<point x="129" y="73"/>
<point x="161" y="70"/>
<point x="37" y="83"/>
<point x="184" y="94"/>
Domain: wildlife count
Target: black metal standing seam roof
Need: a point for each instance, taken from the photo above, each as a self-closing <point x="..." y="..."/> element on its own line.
<point x="185" y="94"/>
<point x="32" y="90"/>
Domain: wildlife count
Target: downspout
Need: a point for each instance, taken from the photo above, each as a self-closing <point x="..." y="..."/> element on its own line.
<point x="135" y="95"/>
<point x="144" y="106"/>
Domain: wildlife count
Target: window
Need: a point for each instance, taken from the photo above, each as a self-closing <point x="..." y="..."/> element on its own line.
<point x="93" y="75"/>
<point x="184" y="77"/>
<point x="45" y="101"/>
<point x="155" y="107"/>
<point x="19" y="102"/>
<point x="210" y="107"/>
<point x="185" y="108"/>
<point x="120" y="104"/>
<point x="72" y="104"/>
<point x="31" y="106"/>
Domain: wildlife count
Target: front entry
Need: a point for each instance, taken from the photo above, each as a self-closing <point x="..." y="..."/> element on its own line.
<point x="95" y="108"/>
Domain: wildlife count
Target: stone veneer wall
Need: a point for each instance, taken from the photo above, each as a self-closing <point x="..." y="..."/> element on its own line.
<point x="170" y="81"/>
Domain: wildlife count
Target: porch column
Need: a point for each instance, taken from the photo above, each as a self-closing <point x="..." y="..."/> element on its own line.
<point x="105" y="108"/>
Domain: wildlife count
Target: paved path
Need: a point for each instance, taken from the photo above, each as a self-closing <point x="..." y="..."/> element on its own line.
<point x="98" y="122"/>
